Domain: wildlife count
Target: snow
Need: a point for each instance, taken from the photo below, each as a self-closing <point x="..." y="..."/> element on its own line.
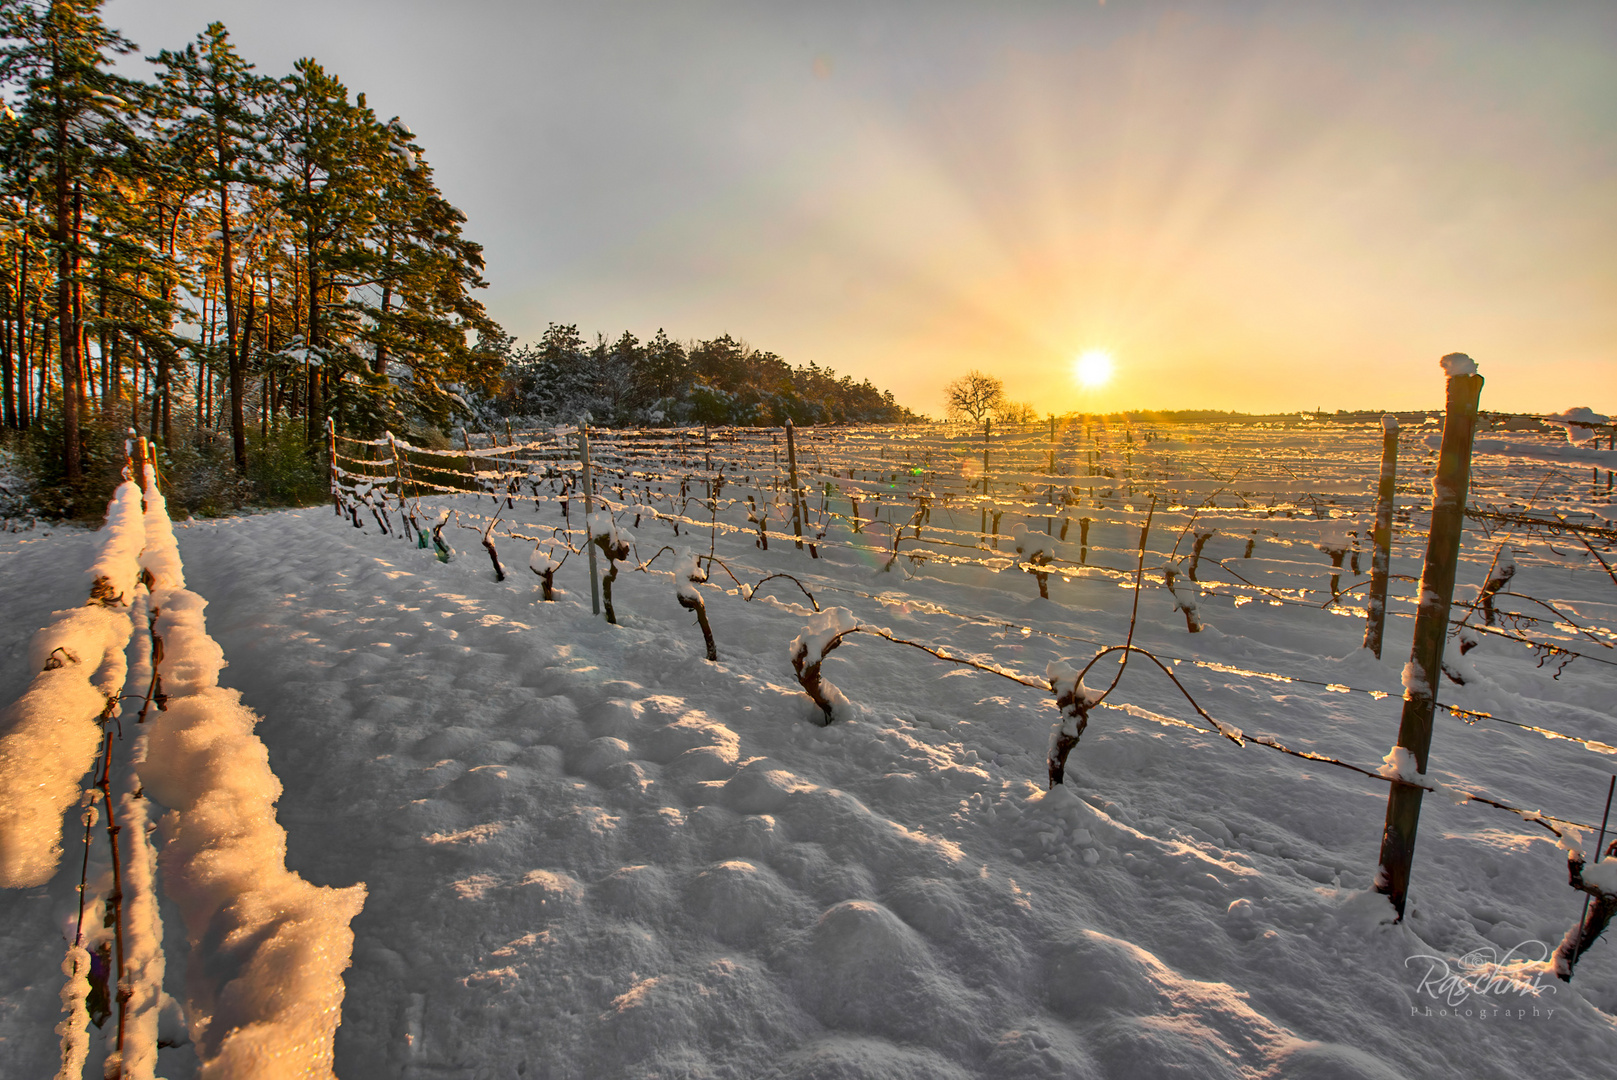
<point x="1414" y="681"/>
<point x="1581" y="448"/>
<point x="1582" y="414"/>
<point x="543" y="557"/>
<point x="145" y="965"/>
<point x="688" y="574"/>
<point x="822" y="628"/>
<point x="75" y="1029"/>
<point x="589" y="853"/>
<point x="602" y="525"/>
<point x="1336" y="534"/>
<point x="1602" y="875"/>
<point x="1399" y="764"/>
<point x="1458" y="364"/>
<point x="264" y="989"/>
<point x="50" y="735"/>
<point x="1030" y="545"/>
<point x="118" y="565"/>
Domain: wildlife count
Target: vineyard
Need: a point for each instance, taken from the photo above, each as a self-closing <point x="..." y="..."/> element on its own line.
<point x="764" y="752"/>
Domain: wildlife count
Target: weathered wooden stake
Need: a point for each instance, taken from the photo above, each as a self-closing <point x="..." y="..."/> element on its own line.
<point x="1449" y="491"/>
<point x="589" y="508"/>
<point x="987" y="432"/>
<point x="791" y="470"/>
<point x="331" y="463"/>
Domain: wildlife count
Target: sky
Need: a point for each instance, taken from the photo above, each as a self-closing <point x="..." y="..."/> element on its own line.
<point x="1249" y="206"/>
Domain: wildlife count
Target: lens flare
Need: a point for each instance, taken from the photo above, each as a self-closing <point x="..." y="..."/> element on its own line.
<point x="1093" y="368"/>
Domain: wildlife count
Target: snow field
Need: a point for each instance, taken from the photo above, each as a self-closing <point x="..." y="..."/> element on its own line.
<point x="590" y="853"/>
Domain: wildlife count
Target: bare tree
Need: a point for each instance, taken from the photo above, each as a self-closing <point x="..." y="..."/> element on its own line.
<point x="1015" y="412"/>
<point x="974" y="396"/>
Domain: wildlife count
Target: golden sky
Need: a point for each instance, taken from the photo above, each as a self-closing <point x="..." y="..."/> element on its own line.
<point x="1251" y="206"/>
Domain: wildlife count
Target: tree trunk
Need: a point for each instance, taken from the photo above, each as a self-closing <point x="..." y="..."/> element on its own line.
<point x="235" y="351"/>
<point x="109" y="383"/>
<point x="67" y="333"/>
<point x="24" y="342"/>
<point x="7" y="372"/>
<point x="379" y="365"/>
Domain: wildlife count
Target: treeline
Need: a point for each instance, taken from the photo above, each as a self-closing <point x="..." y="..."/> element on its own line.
<point x="215" y="255"/>
<point x="723" y="381"/>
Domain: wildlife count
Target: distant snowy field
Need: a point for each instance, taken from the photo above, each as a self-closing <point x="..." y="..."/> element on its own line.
<point x="591" y="853"/>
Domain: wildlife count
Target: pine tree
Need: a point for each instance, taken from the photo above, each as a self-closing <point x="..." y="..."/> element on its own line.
<point x="217" y="105"/>
<point x="60" y="52"/>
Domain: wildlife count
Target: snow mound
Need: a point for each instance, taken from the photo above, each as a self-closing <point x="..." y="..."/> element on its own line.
<point x="866" y="971"/>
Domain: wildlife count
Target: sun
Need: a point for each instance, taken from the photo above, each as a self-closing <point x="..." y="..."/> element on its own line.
<point x="1093" y="368"/>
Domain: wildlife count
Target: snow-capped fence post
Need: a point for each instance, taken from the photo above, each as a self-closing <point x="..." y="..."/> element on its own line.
<point x="589" y="506"/>
<point x="1381" y="561"/>
<point x="987" y="434"/>
<point x="1449" y="490"/>
<point x="791" y="471"/>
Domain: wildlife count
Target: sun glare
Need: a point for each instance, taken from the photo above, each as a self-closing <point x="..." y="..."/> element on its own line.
<point x="1093" y="368"/>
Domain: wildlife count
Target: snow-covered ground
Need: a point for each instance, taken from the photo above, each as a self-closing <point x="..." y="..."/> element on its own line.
<point x="589" y="852"/>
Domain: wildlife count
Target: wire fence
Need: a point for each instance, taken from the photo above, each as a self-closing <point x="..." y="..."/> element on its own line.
<point x="1274" y="515"/>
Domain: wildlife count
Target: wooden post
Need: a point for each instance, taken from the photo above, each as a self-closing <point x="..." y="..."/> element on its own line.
<point x="398" y="477"/>
<point x="987" y="431"/>
<point x="1449" y="491"/>
<point x="331" y="463"/>
<point x="1376" y="611"/>
<point x="791" y="469"/>
<point x="589" y="507"/>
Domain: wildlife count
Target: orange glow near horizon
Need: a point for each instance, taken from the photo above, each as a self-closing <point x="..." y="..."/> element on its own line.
<point x="1223" y="199"/>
